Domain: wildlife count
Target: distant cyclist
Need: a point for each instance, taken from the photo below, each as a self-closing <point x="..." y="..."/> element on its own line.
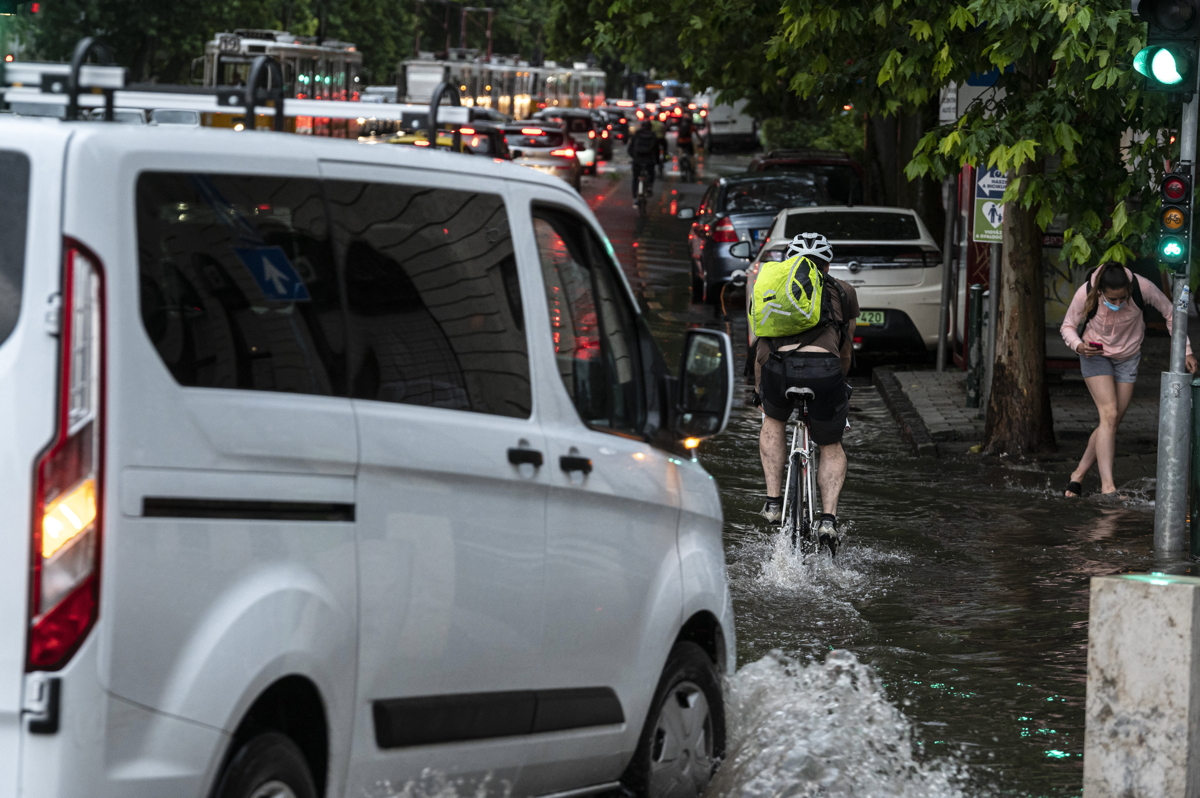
<point x="803" y="322"/>
<point x="643" y="149"/>
<point x="683" y="140"/>
<point x="660" y="134"/>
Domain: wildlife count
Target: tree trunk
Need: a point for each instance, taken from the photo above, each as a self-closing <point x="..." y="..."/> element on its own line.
<point x="1019" y="420"/>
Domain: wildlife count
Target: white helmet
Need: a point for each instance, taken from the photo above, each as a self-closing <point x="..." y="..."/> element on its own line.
<point x="810" y="244"/>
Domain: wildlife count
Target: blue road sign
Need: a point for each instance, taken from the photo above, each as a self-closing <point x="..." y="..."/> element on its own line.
<point x="274" y="273"/>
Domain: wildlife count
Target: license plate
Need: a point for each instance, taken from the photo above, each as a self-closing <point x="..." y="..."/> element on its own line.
<point x="759" y="235"/>
<point x="869" y="318"/>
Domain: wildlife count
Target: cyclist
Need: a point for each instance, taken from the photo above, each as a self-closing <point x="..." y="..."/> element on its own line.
<point x="643" y="149"/>
<point x="683" y="139"/>
<point x="817" y="358"/>
<point x="660" y="135"/>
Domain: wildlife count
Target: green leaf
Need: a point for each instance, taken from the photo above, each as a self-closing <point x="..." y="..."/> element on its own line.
<point x="920" y="30"/>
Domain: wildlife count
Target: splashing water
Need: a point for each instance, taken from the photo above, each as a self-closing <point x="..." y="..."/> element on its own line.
<point x="434" y="784"/>
<point x="824" y="729"/>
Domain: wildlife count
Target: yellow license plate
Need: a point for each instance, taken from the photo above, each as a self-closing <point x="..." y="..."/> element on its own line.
<point x="868" y="318"/>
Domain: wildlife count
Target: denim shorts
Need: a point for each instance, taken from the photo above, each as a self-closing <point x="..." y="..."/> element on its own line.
<point x="1119" y="370"/>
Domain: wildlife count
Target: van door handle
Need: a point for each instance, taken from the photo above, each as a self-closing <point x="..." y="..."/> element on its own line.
<point x="523" y="456"/>
<point x="571" y="463"/>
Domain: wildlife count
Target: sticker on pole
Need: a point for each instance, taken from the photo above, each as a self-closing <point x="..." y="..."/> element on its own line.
<point x="274" y="273"/>
<point x="989" y="213"/>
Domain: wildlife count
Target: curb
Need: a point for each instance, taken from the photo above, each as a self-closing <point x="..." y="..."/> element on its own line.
<point x="912" y="426"/>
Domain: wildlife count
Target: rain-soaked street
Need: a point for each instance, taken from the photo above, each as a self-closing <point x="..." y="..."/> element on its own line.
<point x="963" y="583"/>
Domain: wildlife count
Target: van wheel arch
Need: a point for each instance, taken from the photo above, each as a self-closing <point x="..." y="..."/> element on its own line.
<point x="293" y="707"/>
<point x="704" y="630"/>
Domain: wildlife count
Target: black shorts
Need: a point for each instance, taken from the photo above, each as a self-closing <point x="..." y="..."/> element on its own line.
<point x="820" y="371"/>
<point x="685" y="146"/>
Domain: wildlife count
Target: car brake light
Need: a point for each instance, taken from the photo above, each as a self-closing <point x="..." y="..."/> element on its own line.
<point x="724" y="232"/>
<point x="421" y="143"/>
<point x="624" y="121"/>
<point x="68" y="492"/>
<point x="566" y="152"/>
<point x="467" y="131"/>
<point x="604" y="134"/>
<point x="591" y="134"/>
<point x="532" y="131"/>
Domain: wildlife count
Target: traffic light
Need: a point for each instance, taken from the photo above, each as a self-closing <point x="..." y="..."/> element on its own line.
<point x="1174" y="221"/>
<point x="1168" y="61"/>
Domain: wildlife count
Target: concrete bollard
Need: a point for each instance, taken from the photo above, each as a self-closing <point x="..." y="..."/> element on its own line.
<point x="1142" y="737"/>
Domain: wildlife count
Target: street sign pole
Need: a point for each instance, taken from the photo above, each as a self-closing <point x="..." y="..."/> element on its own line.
<point x="1174" y="409"/>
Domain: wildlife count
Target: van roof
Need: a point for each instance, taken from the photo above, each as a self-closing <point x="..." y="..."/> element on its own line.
<point x="211" y="144"/>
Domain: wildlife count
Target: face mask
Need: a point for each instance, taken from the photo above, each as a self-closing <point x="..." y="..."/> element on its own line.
<point x="1113" y="307"/>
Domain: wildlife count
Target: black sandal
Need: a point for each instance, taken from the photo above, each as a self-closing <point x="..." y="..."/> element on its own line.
<point x="1073" y="487"/>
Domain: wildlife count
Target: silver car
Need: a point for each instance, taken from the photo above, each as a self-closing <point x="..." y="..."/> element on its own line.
<point x="740" y="208"/>
<point x="544" y="148"/>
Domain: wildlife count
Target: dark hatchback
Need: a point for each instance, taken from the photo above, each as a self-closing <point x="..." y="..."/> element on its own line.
<point x="841" y="176"/>
<point x="740" y="208"/>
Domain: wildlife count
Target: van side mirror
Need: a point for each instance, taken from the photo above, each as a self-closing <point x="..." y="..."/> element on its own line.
<point x="686" y="213"/>
<point x="740" y="250"/>
<point x="705" y="384"/>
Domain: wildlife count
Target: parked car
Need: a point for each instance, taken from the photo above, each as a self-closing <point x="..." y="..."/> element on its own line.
<point x="325" y="466"/>
<point x="739" y="208"/>
<point x="581" y="127"/>
<point x="841" y="175"/>
<point x="889" y="257"/>
<point x="544" y="148"/>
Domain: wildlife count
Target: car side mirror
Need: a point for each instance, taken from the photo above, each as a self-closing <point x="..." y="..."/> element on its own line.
<point x="740" y="250"/>
<point x="705" y="384"/>
<point x="686" y="213"/>
<point x="738" y="278"/>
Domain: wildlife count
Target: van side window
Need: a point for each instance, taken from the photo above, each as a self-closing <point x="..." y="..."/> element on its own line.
<point x="591" y="322"/>
<point x="434" y="305"/>
<point x="14" y="210"/>
<point x="238" y="287"/>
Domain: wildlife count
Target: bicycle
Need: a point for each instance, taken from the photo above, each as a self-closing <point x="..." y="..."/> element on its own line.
<point x="687" y="170"/>
<point x="799" y="485"/>
<point x="643" y="192"/>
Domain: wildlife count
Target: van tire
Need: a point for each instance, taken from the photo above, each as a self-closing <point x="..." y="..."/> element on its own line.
<point x="267" y="758"/>
<point x="688" y="669"/>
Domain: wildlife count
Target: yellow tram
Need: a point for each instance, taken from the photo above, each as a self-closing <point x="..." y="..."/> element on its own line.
<point x="504" y="84"/>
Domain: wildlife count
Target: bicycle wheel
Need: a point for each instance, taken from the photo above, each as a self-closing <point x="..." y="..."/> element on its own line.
<point x="793" y="509"/>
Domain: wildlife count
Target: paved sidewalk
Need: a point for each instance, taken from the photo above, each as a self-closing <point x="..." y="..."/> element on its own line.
<point x="931" y="406"/>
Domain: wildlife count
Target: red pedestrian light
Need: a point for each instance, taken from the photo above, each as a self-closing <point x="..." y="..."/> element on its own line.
<point x="1174" y="188"/>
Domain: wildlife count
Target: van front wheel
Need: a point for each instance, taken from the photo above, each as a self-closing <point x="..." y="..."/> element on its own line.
<point x="684" y="736"/>
<point x="269" y="765"/>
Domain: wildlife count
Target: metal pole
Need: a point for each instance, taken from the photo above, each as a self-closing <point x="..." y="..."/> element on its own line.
<point x="1195" y="504"/>
<point x="950" y="203"/>
<point x="995" y="252"/>
<point x="489" y="35"/>
<point x="975" y="345"/>
<point x="1174" y="406"/>
<point x="462" y="30"/>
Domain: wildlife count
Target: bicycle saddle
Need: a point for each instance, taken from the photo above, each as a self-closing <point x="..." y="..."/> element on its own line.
<point x="799" y="393"/>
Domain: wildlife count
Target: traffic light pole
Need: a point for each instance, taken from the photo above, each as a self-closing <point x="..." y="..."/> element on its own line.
<point x="1174" y="409"/>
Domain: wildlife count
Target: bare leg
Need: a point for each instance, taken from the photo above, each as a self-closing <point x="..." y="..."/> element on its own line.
<point x="1112" y="400"/>
<point x="831" y="475"/>
<point x="1124" y="396"/>
<point x="772" y="448"/>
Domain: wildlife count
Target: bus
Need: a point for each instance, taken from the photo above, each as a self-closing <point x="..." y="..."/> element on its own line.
<point x="511" y="87"/>
<point x="330" y="70"/>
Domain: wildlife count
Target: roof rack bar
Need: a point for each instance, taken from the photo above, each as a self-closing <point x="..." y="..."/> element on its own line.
<point x="274" y="73"/>
<point x="83" y="49"/>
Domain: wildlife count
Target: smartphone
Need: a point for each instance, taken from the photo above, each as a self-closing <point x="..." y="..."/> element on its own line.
<point x="1098" y="346"/>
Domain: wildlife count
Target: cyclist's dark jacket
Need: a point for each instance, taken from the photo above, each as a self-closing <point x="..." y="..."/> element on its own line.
<point x="685" y="132"/>
<point x="643" y="147"/>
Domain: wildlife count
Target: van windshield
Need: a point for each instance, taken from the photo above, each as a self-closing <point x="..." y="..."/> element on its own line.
<point x="14" y="207"/>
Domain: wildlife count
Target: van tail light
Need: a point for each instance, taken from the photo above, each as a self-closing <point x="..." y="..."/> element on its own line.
<point x="564" y="153"/>
<point x="724" y="232"/>
<point x="68" y="492"/>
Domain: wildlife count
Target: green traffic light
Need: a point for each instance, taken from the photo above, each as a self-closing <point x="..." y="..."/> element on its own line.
<point x="1165" y="68"/>
<point x="1171" y="249"/>
<point x="1140" y="61"/>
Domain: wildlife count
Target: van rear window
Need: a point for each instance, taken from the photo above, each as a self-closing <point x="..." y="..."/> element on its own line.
<point x="851" y="226"/>
<point x="530" y="136"/>
<point x="14" y="210"/>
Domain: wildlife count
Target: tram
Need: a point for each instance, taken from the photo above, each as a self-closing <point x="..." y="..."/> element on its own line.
<point x="511" y="87"/>
<point x="311" y="71"/>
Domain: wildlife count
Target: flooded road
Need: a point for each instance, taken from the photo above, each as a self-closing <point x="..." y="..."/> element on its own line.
<point x="963" y="584"/>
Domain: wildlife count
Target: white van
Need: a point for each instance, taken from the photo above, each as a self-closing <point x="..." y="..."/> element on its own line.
<point x="327" y="468"/>
<point x="726" y="124"/>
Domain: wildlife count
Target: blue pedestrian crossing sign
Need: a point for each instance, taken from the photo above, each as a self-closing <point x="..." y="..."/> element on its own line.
<point x="274" y="273"/>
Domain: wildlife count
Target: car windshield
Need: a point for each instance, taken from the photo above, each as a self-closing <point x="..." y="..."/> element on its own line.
<point x="528" y="136"/>
<point x="854" y="226"/>
<point x="573" y="124"/>
<point x="770" y="194"/>
<point x="481" y="143"/>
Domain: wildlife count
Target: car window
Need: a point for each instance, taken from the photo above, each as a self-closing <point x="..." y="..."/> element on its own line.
<point x="433" y="304"/>
<point x="770" y="194"/>
<point x="523" y="137"/>
<point x="592" y="325"/>
<point x="14" y="209"/>
<point x="238" y="287"/>
<point x="854" y="226"/>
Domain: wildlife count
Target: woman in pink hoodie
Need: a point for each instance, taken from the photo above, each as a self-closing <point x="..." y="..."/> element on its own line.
<point x="1105" y="327"/>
